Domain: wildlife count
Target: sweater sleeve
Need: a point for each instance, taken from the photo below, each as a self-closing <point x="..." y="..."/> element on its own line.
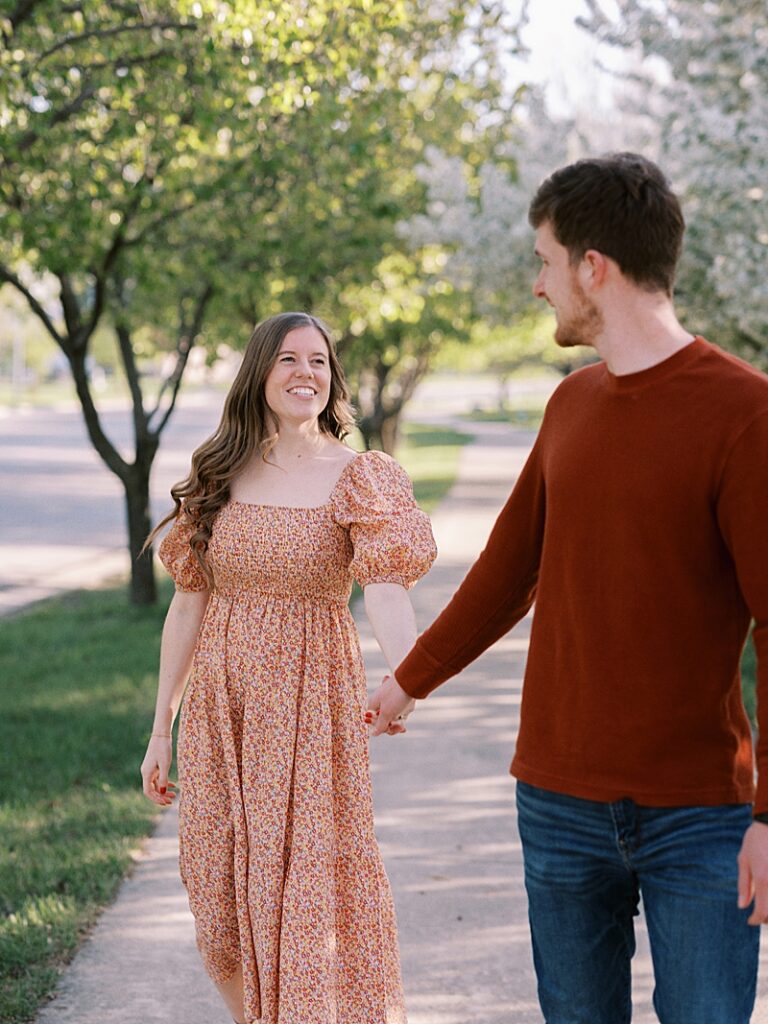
<point x="495" y="594"/>
<point x="742" y="512"/>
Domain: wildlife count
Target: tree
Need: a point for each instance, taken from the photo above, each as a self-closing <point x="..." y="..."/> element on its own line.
<point x="87" y="148"/>
<point x="480" y="214"/>
<point x="505" y="348"/>
<point x="403" y="316"/>
<point x="170" y="164"/>
<point x="476" y="223"/>
<point x="393" y="313"/>
<point x="712" y="92"/>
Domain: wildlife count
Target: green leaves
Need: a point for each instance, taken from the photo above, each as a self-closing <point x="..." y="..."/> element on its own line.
<point x="263" y="154"/>
<point x="196" y="124"/>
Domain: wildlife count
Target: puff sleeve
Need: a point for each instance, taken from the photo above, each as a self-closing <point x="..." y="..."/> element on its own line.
<point x="178" y="557"/>
<point x="391" y="537"/>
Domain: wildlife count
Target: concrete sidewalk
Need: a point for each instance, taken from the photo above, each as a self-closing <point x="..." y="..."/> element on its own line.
<point x="445" y="820"/>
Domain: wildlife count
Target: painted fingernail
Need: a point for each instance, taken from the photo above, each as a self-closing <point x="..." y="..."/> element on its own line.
<point x="162" y="790"/>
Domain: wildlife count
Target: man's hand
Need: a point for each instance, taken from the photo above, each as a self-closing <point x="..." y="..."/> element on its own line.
<point x="753" y="872"/>
<point x="389" y="706"/>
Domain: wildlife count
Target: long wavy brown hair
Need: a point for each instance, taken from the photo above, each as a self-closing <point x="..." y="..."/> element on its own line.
<point x="247" y="426"/>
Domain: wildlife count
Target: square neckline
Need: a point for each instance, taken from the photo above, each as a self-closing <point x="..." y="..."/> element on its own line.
<point x="305" y="508"/>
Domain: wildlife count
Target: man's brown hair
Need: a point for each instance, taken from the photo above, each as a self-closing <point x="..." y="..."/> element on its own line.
<point x="622" y="206"/>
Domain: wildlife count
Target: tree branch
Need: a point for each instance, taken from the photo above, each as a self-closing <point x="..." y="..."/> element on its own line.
<point x="107" y="451"/>
<point x="99" y="297"/>
<point x="110" y="257"/>
<point x="22" y="13"/>
<point x="128" y="356"/>
<point x="118" y="62"/>
<point x="74" y="349"/>
<point x="70" y="305"/>
<point x="103" y="33"/>
<point x="11" y="278"/>
<point x="157" y="222"/>
<point x="187" y="336"/>
<point x="750" y="340"/>
<point x="211" y="187"/>
<point x="65" y="112"/>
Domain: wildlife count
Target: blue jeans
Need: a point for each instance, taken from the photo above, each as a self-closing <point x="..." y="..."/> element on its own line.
<point x="586" y="865"/>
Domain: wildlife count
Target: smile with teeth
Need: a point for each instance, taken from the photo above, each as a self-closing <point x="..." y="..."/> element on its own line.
<point x="303" y="391"/>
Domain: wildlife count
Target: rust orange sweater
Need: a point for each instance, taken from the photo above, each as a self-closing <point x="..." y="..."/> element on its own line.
<point x="640" y="526"/>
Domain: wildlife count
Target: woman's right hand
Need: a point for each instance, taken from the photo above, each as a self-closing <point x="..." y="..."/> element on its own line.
<point x="154" y="771"/>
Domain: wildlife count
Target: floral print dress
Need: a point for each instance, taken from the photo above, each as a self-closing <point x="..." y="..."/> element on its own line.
<point x="277" y="847"/>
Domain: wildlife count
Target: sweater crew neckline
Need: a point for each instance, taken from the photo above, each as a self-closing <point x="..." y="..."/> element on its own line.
<point x="622" y="383"/>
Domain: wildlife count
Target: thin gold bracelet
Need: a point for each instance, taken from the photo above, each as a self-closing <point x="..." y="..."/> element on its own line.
<point x="163" y="735"/>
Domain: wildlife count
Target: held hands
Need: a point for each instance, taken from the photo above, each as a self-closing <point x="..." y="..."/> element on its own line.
<point x="154" y="771"/>
<point x="388" y="708"/>
<point x="753" y="872"/>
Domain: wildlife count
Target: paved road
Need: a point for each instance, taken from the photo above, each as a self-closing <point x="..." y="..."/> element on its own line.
<point x="62" y="520"/>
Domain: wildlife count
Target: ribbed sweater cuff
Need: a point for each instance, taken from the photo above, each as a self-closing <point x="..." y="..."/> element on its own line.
<point x="418" y="673"/>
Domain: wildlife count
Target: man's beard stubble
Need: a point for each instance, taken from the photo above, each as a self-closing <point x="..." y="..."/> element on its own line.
<point x="584" y="323"/>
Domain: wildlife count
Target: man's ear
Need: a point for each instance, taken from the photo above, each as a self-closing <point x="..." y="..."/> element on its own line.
<point x="593" y="269"/>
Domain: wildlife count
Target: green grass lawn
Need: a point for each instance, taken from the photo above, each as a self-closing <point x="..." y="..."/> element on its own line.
<point x="523" y="410"/>
<point x="430" y="455"/>
<point x="76" y="704"/>
<point x="529" y="418"/>
<point x="75" y="707"/>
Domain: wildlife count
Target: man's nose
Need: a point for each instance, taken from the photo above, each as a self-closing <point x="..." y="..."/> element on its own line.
<point x="538" y="290"/>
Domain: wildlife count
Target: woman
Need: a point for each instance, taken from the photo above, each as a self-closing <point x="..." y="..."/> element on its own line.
<point x="292" y="906"/>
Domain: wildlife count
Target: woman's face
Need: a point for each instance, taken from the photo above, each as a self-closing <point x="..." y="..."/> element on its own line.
<point x="298" y="386"/>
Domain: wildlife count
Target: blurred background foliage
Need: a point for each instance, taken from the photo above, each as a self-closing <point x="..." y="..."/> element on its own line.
<point x="172" y="171"/>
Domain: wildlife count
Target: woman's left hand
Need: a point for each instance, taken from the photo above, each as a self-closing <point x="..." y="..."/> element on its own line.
<point x="404" y="705"/>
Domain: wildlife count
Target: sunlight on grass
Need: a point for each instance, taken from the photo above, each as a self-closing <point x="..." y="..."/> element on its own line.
<point x="430" y="455"/>
<point x="75" y="709"/>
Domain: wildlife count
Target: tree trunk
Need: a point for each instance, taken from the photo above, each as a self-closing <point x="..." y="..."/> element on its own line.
<point x="370" y="428"/>
<point x="369" y="433"/>
<point x="380" y="426"/>
<point x="389" y="432"/>
<point x="503" y="398"/>
<point x="143" y="589"/>
<point x="380" y="432"/>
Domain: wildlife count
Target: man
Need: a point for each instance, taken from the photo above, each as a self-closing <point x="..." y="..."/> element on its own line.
<point x="640" y="526"/>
